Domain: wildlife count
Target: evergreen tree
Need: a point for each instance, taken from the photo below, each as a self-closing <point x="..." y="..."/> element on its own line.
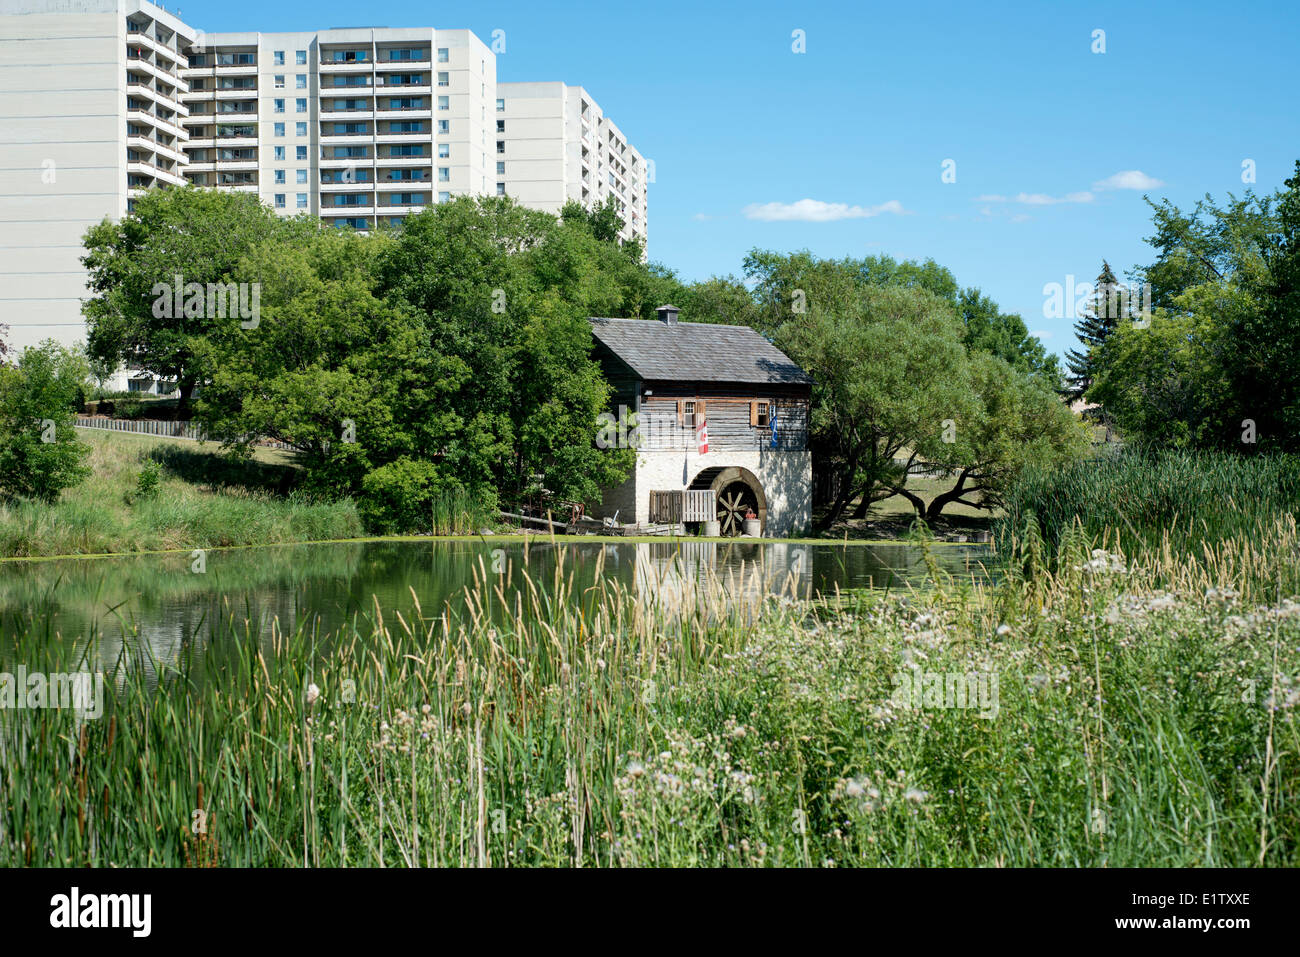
<point x="1097" y="325"/>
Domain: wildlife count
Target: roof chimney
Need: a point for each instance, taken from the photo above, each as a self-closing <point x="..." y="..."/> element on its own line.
<point x="668" y="314"/>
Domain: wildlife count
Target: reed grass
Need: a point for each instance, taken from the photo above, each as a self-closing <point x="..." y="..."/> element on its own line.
<point x="1147" y="496"/>
<point x="1146" y="717"/>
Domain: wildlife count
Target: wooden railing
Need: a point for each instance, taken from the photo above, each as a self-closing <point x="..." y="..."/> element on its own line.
<point x="689" y="505"/>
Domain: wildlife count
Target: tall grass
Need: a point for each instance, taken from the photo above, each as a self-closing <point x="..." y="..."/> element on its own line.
<point x="460" y="512"/>
<point x="1146" y="717"/>
<point x="1188" y="499"/>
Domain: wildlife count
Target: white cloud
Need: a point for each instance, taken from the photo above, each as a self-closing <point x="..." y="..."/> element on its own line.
<point x="815" y="211"/>
<point x="1042" y="199"/>
<point x="701" y="217"/>
<point x="1041" y="334"/>
<point x="1036" y="199"/>
<point x="1128" y="179"/>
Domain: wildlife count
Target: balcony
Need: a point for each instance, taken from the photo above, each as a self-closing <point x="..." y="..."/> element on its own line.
<point x="344" y="162"/>
<point x="346" y="66"/>
<point x="404" y="161"/>
<point x="148" y="145"/>
<point x="162" y="99"/>
<point x="143" y="168"/>
<point x="143" y="65"/>
<point x="353" y="187"/>
<point x="167" y="126"/>
<point x="358" y="209"/>
<point x="145" y="39"/>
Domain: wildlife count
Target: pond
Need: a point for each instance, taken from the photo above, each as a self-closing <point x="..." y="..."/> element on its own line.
<point x="156" y="608"/>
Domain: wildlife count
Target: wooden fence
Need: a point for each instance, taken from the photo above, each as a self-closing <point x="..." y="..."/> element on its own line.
<point x="682" y="505"/>
<point x="169" y="430"/>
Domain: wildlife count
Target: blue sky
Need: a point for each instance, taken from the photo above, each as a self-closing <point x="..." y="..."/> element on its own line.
<point x="1038" y="125"/>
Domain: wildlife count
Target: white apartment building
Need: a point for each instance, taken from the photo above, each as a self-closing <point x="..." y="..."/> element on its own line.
<point x="90" y="103"/>
<point x="360" y="126"/>
<point x="100" y="99"/>
<point x="554" y="144"/>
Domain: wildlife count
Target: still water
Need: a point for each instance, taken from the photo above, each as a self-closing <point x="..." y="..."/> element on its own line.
<point x="158" y="607"/>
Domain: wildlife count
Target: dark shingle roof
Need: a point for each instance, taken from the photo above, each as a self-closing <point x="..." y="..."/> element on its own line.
<point x="696" y="351"/>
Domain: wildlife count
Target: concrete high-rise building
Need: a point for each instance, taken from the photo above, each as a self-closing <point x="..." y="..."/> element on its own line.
<point x="361" y="126"/>
<point x="101" y="99"/>
<point x="555" y="144"/>
<point x="90" y="113"/>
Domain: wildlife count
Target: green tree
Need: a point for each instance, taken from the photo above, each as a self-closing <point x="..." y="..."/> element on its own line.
<point x="1217" y="368"/>
<point x="1097" y="325"/>
<point x="39" y="452"/>
<point x="1005" y="335"/>
<point x="506" y="291"/>
<point x="889" y="368"/>
<point x="196" y="235"/>
<point x="1015" y="421"/>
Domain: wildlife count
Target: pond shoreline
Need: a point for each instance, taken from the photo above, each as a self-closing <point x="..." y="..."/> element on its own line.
<point x="505" y="538"/>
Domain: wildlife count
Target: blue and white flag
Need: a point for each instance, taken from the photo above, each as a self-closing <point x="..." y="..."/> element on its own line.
<point x="772" y="421"/>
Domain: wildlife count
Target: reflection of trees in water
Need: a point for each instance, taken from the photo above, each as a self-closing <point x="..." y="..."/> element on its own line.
<point x="152" y="616"/>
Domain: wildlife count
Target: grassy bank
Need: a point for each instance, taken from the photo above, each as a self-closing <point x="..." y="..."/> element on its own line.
<point x="1144" y="715"/>
<point x="201" y="501"/>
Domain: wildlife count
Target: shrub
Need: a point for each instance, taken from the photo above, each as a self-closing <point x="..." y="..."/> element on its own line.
<point x="39" y="452"/>
<point x="146" y="483"/>
<point x="409" y="495"/>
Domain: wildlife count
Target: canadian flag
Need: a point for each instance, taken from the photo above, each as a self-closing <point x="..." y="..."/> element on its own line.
<point x="702" y="433"/>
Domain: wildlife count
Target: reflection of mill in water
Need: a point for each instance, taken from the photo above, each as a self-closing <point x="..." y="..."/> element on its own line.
<point x="680" y="575"/>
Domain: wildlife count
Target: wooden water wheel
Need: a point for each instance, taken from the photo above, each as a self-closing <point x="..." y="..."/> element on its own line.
<point x="733" y="502"/>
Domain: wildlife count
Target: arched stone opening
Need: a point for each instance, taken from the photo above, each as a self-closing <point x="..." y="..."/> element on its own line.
<point x="734" y="488"/>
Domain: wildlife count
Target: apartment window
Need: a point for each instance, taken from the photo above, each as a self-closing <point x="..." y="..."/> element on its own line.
<point x="501" y="146"/>
<point x="279" y="200"/>
<point x="300" y="81"/>
<point x="300" y="57"/>
<point x="300" y="105"/>
<point x="279" y="81"/>
<point x="444" y="197"/>
<point x="501" y="169"/>
<point x="444" y="103"/>
<point x="501" y="189"/>
<point x="443" y="54"/>
<point x="444" y="174"/>
<point x="444" y="150"/>
<point x="501" y="126"/>
<point x="279" y="129"/>
<point x="501" y="106"/>
<point x="444" y="126"/>
<point x="279" y="106"/>
<point x="300" y="129"/>
<point x="279" y="154"/>
<point x="300" y="152"/>
<point x="279" y="177"/>
<point x="302" y="200"/>
<point x="279" y="57"/>
<point x="444" y="79"/>
<point x="302" y="176"/>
